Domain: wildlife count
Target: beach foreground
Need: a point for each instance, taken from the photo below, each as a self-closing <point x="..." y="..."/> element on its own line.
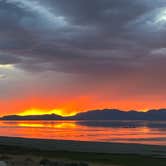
<point x="32" y="151"/>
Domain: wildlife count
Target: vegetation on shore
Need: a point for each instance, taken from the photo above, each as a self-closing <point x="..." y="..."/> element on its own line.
<point x="114" y="159"/>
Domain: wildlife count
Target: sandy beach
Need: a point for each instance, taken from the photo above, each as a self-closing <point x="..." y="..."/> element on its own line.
<point x="23" y="150"/>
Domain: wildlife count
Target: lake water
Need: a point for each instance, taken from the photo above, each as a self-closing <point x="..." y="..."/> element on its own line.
<point x="143" y="132"/>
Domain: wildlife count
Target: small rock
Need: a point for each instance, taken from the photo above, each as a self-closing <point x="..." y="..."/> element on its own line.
<point x="3" y="163"/>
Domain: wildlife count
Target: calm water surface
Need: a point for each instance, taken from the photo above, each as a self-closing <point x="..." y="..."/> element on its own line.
<point x="144" y="132"/>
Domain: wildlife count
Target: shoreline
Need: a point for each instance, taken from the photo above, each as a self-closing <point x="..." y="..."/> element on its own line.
<point x="83" y="146"/>
<point x="19" y="150"/>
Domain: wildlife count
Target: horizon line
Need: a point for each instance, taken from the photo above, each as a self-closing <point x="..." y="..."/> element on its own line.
<point x="85" y="112"/>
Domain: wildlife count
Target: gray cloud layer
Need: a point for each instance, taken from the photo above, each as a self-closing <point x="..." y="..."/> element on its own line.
<point x="113" y="39"/>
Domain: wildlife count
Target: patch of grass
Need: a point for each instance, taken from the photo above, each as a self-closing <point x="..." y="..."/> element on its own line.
<point x="115" y="159"/>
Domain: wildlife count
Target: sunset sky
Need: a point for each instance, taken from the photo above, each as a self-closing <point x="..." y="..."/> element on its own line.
<point x="68" y="56"/>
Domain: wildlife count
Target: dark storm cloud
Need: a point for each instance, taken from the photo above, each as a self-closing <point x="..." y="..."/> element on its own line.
<point x="106" y="37"/>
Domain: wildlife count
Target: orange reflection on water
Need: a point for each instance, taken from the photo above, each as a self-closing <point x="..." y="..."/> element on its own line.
<point x="22" y="124"/>
<point x="83" y="131"/>
<point x="34" y="124"/>
<point x="65" y="125"/>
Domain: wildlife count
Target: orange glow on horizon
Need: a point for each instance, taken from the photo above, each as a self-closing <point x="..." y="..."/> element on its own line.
<point x="71" y="106"/>
<point x="60" y="112"/>
<point x="35" y="111"/>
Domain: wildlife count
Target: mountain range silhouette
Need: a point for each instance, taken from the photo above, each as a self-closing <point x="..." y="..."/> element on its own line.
<point x="105" y="114"/>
